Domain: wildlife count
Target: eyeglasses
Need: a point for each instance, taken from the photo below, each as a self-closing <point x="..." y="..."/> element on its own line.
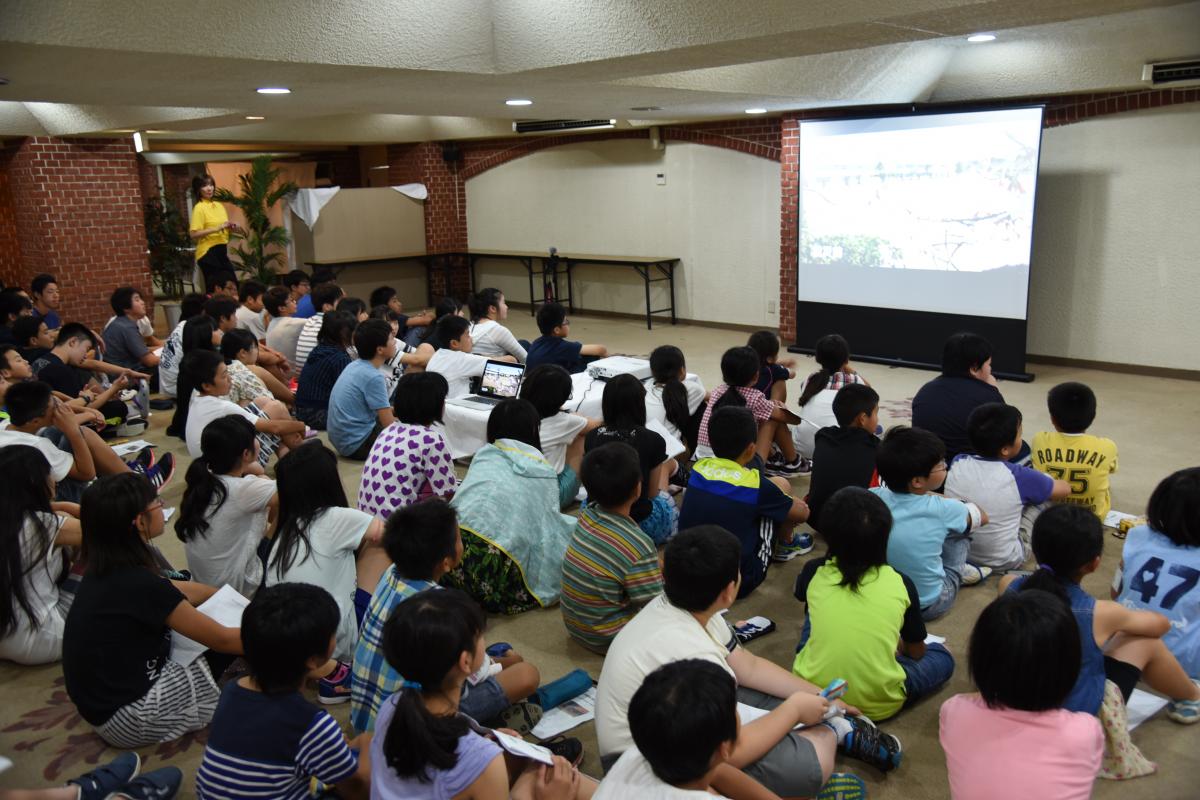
<point x="154" y="506"/>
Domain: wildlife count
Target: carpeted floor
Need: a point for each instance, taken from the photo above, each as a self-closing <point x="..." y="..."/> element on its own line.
<point x="1151" y="420"/>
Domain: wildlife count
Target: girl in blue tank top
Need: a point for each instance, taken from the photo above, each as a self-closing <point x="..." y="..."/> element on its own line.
<point x="1161" y="565"/>
<point x="1117" y="643"/>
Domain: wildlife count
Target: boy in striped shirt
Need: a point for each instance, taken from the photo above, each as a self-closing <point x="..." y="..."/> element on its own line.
<point x="611" y="567"/>
<point x="267" y="740"/>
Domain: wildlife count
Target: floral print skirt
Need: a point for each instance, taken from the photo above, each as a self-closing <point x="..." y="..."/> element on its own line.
<point x="491" y="577"/>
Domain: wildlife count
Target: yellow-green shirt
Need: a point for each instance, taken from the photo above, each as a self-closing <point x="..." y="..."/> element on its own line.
<point x="1083" y="460"/>
<point x="209" y="214"/>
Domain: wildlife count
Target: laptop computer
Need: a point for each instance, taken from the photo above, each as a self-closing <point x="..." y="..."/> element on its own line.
<point x="501" y="380"/>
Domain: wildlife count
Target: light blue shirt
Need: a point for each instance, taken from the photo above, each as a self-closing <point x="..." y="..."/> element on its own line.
<point x="360" y="391"/>
<point x="920" y="523"/>
<point x="1164" y="577"/>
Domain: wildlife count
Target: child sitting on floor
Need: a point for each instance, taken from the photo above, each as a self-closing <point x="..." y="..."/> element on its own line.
<point x="226" y="507"/>
<point x="624" y="410"/>
<point x="1169" y="544"/>
<point x="1013" y="738"/>
<point x="1011" y="493"/>
<point x="857" y="608"/>
<point x="675" y="399"/>
<point x="410" y="461"/>
<point x="728" y="490"/>
<point x="265" y="734"/>
<point x="930" y="533"/>
<point x="553" y="347"/>
<point x="323" y="367"/>
<point x="739" y="373"/>
<point x="455" y="358"/>
<point x="847" y="450"/>
<point x="832" y="353"/>
<point x="773" y="376"/>
<point x="1118" y="644"/>
<point x="319" y="540"/>
<point x="34" y="594"/>
<point x="424" y="746"/>
<point x="359" y="407"/>
<point x="424" y="543"/>
<point x="1072" y="454"/>
<point x="562" y="434"/>
<point x="611" y="566"/>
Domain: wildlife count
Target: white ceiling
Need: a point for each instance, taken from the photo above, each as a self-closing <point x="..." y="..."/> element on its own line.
<point x="370" y="71"/>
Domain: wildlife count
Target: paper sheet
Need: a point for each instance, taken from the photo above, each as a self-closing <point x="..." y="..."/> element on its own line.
<point x="520" y="747"/>
<point x="130" y="448"/>
<point x="226" y="607"/>
<point x="1113" y="518"/>
<point x="748" y="714"/>
<point x="933" y="639"/>
<point x="568" y="715"/>
<point x="674" y="446"/>
<point x="1142" y="706"/>
<point x="168" y="513"/>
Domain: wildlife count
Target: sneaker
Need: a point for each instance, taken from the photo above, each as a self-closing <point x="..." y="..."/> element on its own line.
<point x="973" y="574"/>
<point x="132" y="427"/>
<point x="162" y="403"/>
<point x="335" y="687"/>
<point x="107" y="778"/>
<point x="521" y="717"/>
<point x="161" y="473"/>
<point x="868" y="743"/>
<point x="843" y="786"/>
<point x="143" y="461"/>
<point x="790" y="469"/>
<point x="568" y="748"/>
<point x="159" y="784"/>
<point x="1185" y="712"/>
<point x="798" y="545"/>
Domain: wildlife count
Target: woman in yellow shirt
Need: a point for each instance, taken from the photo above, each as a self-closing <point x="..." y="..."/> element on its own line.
<point x="210" y="231"/>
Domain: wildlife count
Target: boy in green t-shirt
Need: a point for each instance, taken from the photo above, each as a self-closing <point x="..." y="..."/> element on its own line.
<point x="611" y="566"/>
<point x="858" y="608"/>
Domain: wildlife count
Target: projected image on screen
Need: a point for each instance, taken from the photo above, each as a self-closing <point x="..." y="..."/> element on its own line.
<point x="928" y="213"/>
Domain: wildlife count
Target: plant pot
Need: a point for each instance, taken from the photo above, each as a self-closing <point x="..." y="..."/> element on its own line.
<point x="173" y="311"/>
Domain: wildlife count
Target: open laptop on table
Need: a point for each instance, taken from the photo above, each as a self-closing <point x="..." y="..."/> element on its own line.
<point x="501" y="380"/>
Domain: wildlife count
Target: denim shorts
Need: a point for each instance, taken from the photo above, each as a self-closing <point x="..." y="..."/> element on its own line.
<point x="484" y="701"/>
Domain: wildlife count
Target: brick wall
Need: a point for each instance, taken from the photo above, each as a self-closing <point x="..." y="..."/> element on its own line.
<point x="445" y="208"/>
<point x="77" y="214"/>
<point x="10" y="245"/>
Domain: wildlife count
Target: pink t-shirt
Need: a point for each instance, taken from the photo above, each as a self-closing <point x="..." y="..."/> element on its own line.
<point x="1002" y="753"/>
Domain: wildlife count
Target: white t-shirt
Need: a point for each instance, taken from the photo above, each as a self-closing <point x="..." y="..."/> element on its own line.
<point x="632" y="776"/>
<point x="656" y="410"/>
<point x="490" y="338"/>
<point x="168" y="363"/>
<point x="61" y="462"/>
<point x="334" y="534"/>
<point x="659" y="634"/>
<point x="457" y="368"/>
<point x="282" y="336"/>
<point x="226" y="553"/>
<point x="33" y="640"/>
<point x="557" y="433"/>
<point x="307" y="339"/>
<point x="392" y="370"/>
<point x="252" y="321"/>
<point x="202" y="410"/>
<point x="1002" y="490"/>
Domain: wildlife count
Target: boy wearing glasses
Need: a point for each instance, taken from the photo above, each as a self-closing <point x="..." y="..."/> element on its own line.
<point x="553" y="347"/>
<point x="930" y="533"/>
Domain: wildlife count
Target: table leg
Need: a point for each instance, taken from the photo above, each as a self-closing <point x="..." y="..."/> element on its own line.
<point x="646" y="277"/>
<point x="528" y="262"/>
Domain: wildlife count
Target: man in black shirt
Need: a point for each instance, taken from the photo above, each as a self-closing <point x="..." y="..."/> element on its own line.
<point x="61" y="369"/>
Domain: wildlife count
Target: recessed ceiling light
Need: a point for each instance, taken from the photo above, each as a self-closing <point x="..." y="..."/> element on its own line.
<point x="646" y="108"/>
<point x="981" y="37"/>
<point x="756" y="111"/>
<point x="518" y="101"/>
<point x="255" y="117"/>
<point x="273" y="90"/>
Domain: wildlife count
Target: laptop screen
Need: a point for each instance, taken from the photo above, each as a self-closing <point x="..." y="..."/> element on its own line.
<point x="501" y="379"/>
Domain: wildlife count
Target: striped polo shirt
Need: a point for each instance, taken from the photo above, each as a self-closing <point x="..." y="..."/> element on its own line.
<point x="610" y="568"/>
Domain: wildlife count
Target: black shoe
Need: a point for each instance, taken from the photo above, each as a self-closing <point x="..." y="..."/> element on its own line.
<point x="568" y="748"/>
<point x="162" y="404"/>
<point x="868" y="743"/>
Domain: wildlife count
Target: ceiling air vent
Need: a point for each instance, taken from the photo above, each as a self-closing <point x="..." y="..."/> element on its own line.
<point x="556" y="125"/>
<point x="1172" y="74"/>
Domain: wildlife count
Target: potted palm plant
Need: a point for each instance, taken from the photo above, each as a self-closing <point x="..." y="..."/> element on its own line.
<point x="169" y="249"/>
<point x="262" y="244"/>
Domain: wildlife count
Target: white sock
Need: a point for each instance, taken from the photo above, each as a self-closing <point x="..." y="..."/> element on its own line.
<point x="840" y="726"/>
